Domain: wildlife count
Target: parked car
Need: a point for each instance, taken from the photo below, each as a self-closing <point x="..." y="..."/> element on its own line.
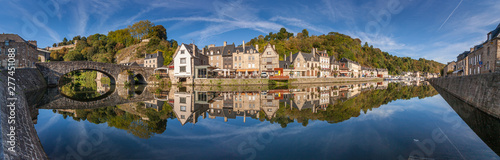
<point x="263" y="75"/>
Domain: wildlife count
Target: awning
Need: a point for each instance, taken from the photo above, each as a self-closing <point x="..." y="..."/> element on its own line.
<point x="458" y="71"/>
<point x="245" y="70"/>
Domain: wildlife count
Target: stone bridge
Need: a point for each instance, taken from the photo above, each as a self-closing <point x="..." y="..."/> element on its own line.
<point x="120" y="95"/>
<point x="118" y="74"/>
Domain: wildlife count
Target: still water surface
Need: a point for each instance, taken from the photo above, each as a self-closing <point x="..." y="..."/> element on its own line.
<point x="348" y="121"/>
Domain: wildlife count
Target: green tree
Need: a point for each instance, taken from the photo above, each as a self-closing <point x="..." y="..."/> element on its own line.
<point x="305" y="33"/>
<point x="158" y="31"/>
<point x="140" y="29"/>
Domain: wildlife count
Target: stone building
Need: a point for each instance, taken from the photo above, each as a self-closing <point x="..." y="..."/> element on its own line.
<point x="485" y="58"/>
<point x="349" y="68"/>
<point x="185" y="59"/>
<point x="269" y="59"/>
<point x="215" y="56"/>
<point x="334" y="66"/>
<point x="26" y="51"/>
<point x="449" y="68"/>
<point x="246" y="61"/>
<point x="154" y="60"/>
<point x="382" y="73"/>
<point x="462" y="64"/>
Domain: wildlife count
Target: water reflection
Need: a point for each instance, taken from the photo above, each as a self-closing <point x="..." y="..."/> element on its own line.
<point x="485" y="126"/>
<point x="333" y="103"/>
<point x="161" y="121"/>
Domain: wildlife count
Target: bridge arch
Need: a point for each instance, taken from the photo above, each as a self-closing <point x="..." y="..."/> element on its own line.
<point x="111" y="78"/>
<point x="52" y="71"/>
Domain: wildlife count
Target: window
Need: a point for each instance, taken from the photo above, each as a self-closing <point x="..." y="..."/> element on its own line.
<point x="182" y="69"/>
<point x="211" y="52"/>
<point x="250" y="58"/>
<point x="235" y="58"/>
<point x="253" y="65"/>
<point x="217" y="65"/>
<point x="6" y="42"/>
<point x="182" y="51"/>
<point x="217" y="58"/>
<point x="268" y="53"/>
<point x="183" y="60"/>
<point x="249" y="66"/>
<point x="182" y="100"/>
<point x="240" y="58"/>
<point x="183" y="117"/>
<point x="240" y="65"/>
<point x="211" y="58"/>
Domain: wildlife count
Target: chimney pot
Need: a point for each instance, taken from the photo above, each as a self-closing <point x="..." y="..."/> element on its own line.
<point x="243" y="46"/>
<point x="225" y="43"/>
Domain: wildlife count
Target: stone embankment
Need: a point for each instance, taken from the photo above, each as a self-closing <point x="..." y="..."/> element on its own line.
<point x="259" y="81"/>
<point x="19" y="137"/>
<point x="481" y="91"/>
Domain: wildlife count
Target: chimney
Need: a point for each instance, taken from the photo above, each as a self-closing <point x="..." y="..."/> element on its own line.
<point x="32" y="43"/>
<point x="291" y="57"/>
<point x="225" y="43"/>
<point x="203" y="51"/>
<point x="243" y="46"/>
<point x="257" y="47"/>
<point x="211" y="45"/>
<point x="284" y="58"/>
<point x="472" y="49"/>
<point x="274" y="47"/>
<point x="194" y="50"/>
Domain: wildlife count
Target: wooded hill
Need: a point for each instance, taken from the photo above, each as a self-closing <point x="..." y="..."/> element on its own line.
<point x="107" y="48"/>
<point x="125" y="45"/>
<point x="343" y="46"/>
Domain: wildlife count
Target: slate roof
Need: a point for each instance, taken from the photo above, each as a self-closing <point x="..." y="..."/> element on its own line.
<point x="11" y="37"/>
<point x="348" y="60"/>
<point x="495" y="33"/>
<point x="283" y="63"/>
<point x="463" y="55"/>
<point x="332" y="59"/>
<point x="151" y="56"/>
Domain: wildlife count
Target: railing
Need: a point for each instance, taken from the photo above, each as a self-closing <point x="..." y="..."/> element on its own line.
<point x="279" y="77"/>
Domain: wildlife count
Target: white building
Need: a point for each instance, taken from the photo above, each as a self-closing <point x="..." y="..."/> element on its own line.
<point x="185" y="59"/>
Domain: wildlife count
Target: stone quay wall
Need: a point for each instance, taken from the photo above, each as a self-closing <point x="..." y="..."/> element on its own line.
<point x="21" y="134"/>
<point x="481" y="91"/>
<point x="264" y="81"/>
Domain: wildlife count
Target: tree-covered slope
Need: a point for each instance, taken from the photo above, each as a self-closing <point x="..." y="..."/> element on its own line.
<point x="341" y="46"/>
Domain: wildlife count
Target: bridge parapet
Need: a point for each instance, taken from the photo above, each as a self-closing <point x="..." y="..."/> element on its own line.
<point x="52" y="71"/>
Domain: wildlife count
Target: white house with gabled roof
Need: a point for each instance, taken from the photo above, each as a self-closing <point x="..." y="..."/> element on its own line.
<point x="186" y="57"/>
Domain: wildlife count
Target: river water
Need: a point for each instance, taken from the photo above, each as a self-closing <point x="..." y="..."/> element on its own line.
<point x="336" y="121"/>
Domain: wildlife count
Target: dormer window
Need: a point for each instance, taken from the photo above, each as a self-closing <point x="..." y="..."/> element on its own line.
<point x="6" y="42"/>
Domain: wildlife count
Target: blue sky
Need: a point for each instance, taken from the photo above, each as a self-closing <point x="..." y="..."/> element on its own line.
<point x="437" y="30"/>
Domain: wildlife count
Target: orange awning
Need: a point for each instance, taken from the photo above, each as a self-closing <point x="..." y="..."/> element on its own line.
<point x="244" y="70"/>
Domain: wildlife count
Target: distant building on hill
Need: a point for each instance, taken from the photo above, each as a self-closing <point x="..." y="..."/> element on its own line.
<point x="154" y="60"/>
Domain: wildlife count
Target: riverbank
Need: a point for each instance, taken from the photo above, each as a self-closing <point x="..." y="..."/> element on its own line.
<point x="19" y="137"/>
<point x="264" y="81"/>
<point x="480" y="90"/>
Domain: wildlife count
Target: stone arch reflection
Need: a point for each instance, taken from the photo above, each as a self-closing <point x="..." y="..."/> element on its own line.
<point x="86" y="85"/>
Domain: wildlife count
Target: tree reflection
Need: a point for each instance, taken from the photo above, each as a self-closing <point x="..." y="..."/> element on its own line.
<point x="331" y="104"/>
